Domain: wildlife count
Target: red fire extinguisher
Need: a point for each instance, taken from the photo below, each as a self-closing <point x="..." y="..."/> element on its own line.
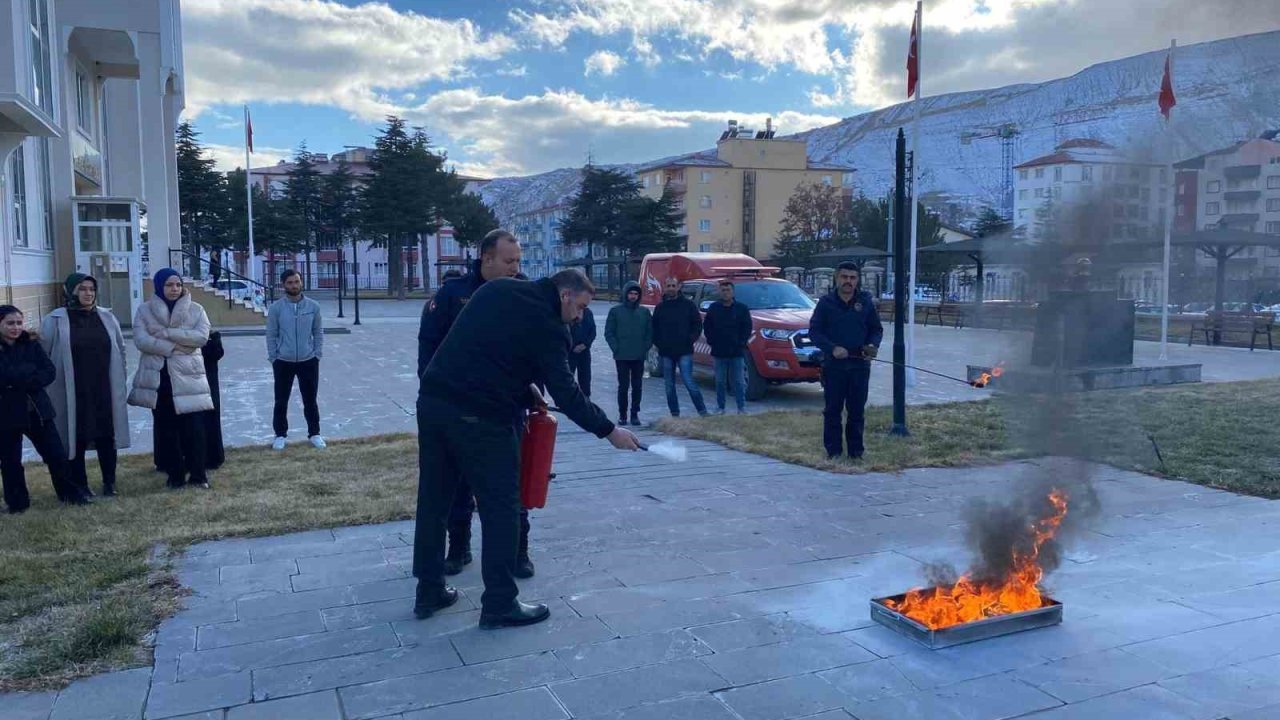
<point x="537" y="447"/>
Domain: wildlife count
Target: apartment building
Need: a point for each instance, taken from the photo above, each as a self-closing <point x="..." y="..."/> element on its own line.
<point x="1234" y="187"/>
<point x="90" y="94"/>
<point x="428" y="260"/>
<point x="733" y="198"/>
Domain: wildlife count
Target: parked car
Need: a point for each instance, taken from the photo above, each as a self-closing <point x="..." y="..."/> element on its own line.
<point x="238" y="289"/>
<point x="1274" y="309"/>
<point x="779" y="350"/>
<point x="923" y="293"/>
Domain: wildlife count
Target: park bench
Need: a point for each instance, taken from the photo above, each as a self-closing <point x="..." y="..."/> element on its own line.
<point x="1254" y="324"/>
<point x="943" y="308"/>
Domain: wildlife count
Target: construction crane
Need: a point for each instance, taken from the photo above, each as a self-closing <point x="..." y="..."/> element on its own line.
<point x="1008" y="134"/>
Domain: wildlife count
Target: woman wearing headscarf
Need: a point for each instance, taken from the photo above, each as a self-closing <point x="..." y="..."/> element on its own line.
<point x="170" y="329"/>
<point x="25" y="409"/>
<point x="91" y="384"/>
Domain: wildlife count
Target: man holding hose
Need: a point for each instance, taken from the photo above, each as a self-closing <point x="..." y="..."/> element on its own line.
<point x="846" y="327"/>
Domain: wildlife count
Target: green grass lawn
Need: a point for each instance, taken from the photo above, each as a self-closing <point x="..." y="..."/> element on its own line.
<point x="79" y="589"/>
<point x="1223" y="435"/>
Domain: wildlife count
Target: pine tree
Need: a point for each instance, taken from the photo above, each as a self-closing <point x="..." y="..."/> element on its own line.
<point x="652" y="226"/>
<point x="991" y="222"/>
<point x="340" y="206"/>
<point x="405" y="195"/>
<point x="470" y="219"/>
<point x="302" y="196"/>
<point x="202" y="193"/>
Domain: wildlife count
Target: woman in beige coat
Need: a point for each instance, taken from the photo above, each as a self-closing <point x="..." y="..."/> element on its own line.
<point x="88" y="394"/>
<point x="170" y="329"/>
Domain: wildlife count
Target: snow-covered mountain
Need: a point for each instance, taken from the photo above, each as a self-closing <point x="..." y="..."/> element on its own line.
<point x="1227" y="90"/>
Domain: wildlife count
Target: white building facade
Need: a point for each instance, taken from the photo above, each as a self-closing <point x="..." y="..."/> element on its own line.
<point x="90" y="94"/>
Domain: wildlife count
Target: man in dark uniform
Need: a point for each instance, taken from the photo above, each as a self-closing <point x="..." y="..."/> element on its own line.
<point x="846" y="327"/>
<point x="512" y="335"/>
<point x="499" y="257"/>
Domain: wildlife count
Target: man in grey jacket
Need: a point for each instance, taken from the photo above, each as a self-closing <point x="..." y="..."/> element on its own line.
<point x="295" y="343"/>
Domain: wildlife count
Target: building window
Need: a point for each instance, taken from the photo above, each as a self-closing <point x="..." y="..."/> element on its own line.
<point x="1273" y="182"/>
<point x="704" y="201"/>
<point x="1039" y="192"/>
<point x="1273" y="204"/>
<point x="1022" y="194"/>
<point x="1086" y="173"/>
<point x="1022" y="174"/>
<point x="1057" y="174"/>
<point x="18" y="193"/>
<point x="1039" y="173"/>
<point x="1106" y="172"/>
<point x="1182" y="211"/>
<point x="826" y="180"/>
<point x="704" y="177"/>
<point x="704" y="247"/>
<point x="1057" y="192"/>
<point x="46" y="192"/>
<point x="1212" y="208"/>
<point x="41" y="67"/>
<point x="1213" y="186"/>
<point x="84" y="103"/>
<point x="643" y="181"/>
<point x="1146" y="194"/>
<point x="704" y="226"/>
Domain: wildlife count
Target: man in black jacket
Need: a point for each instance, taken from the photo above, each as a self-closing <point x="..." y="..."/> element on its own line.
<point x="512" y="335"/>
<point x="499" y="257"/>
<point x="846" y="327"/>
<point x="727" y="328"/>
<point x="582" y="334"/>
<point x="676" y="327"/>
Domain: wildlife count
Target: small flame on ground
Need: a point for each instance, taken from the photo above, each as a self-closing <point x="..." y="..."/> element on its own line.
<point x="669" y="451"/>
<point x="970" y="599"/>
<point x="986" y="377"/>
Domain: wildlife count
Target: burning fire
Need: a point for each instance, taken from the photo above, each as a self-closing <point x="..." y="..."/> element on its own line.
<point x="971" y="599"/>
<point x="986" y="377"/>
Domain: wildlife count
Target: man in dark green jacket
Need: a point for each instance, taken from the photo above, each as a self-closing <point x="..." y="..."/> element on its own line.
<point x="629" y="332"/>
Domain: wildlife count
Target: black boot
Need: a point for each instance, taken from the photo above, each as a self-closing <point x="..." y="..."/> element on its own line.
<point x="429" y="601"/>
<point x="459" y="555"/>
<point x="521" y="614"/>
<point x="635" y="418"/>
<point x="622" y="419"/>
<point x="524" y="566"/>
<point x="108" y="489"/>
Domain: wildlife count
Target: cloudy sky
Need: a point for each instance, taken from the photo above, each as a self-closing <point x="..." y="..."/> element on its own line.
<point x="523" y="86"/>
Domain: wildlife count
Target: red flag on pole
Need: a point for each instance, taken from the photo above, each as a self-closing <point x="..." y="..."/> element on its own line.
<point x="913" y="56"/>
<point x="1167" y="99"/>
<point x="248" y="129"/>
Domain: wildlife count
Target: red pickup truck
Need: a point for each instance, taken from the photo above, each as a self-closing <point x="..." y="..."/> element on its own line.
<point x="780" y="351"/>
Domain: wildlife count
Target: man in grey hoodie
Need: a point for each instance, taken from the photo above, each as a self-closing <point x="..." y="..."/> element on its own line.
<point x="295" y="343"/>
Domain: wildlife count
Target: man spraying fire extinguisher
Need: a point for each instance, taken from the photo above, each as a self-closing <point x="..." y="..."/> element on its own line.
<point x="499" y="257"/>
<point x="513" y="334"/>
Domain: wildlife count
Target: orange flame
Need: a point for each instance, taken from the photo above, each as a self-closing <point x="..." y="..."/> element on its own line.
<point x="985" y="378"/>
<point x="969" y="600"/>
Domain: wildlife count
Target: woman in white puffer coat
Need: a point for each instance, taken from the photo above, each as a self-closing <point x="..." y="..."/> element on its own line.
<point x="170" y="329"/>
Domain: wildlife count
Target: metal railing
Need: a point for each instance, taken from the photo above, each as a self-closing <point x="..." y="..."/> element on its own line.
<point x="222" y="278"/>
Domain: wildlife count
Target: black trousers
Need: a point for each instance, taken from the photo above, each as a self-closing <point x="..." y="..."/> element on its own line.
<point x="181" y="435"/>
<point x="78" y="474"/>
<point x="844" y="389"/>
<point x="454" y="446"/>
<point x="308" y="375"/>
<point x="630" y="375"/>
<point x="44" y="437"/>
<point x="580" y="365"/>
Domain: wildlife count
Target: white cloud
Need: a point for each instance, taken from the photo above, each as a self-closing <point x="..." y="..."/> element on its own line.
<point x="514" y="71"/>
<point x="322" y="52"/>
<point x="230" y="157"/>
<point x="511" y="136"/>
<point x="968" y="44"/>
<point x="603" y="63"/>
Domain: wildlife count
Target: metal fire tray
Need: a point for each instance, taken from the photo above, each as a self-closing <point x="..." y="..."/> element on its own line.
<point x="1049" y="614"/>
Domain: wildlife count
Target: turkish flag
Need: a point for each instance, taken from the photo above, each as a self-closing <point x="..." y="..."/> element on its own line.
<point x="248" y="130"/>
<point x="913" y="56"/>
<point x="1167" y="99"/>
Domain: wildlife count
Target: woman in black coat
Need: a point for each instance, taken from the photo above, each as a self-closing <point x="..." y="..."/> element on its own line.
<point x="215" y="454"/>
<point x="25" y="409"/>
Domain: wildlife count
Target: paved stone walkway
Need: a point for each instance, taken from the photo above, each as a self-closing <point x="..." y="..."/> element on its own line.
<point x="731" y="587"/>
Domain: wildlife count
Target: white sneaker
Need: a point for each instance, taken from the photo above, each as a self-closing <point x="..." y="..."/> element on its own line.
<point x="278" y="443"/>
<point x="318" y="443"/>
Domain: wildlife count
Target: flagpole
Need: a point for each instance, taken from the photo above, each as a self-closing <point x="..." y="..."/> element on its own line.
<point x="1168" y="220"/>
<point x="915" y="205"/>
<point x="251" y="270"/>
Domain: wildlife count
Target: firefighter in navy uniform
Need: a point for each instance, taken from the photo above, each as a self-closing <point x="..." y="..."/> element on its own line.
<point x="499" y="257"/>
<point x="846" y="327"/>
<point x="474" y="392"/>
